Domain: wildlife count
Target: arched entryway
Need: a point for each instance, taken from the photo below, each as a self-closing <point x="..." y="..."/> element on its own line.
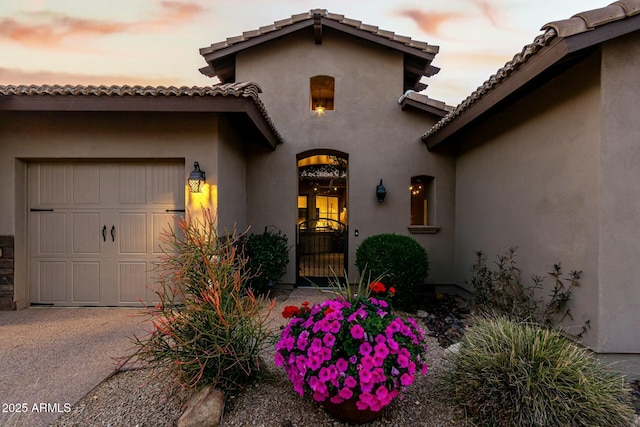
<point x="322" y="237"/>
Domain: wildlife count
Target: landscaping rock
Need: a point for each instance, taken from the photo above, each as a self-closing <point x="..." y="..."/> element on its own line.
<point x="421" y="314"/>
<point x="453" y="349"/>
<point x="204" y="409"/>
<point x="447" y="318"/>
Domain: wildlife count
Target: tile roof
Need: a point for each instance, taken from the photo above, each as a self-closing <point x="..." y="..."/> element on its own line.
<point x="527" y="52"/>
<point x="577" y="24"/>
<point x="425" y="100"/>
<point x="245" y="90"/>
<point x="220" y="57"/>
<point x="585" y="21"/>
<point x="390" y="35"/>
<point x="248" y="90"/>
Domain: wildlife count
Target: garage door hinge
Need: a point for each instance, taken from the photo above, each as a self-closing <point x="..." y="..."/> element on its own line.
<point x="41" y="210"/>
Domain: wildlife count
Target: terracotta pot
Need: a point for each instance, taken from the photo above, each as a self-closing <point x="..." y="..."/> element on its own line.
<point x="347" y="411"/>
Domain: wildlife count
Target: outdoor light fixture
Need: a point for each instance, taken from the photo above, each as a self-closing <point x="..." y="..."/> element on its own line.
<point x="196" y="178"/>
<point x="381" y="192"/>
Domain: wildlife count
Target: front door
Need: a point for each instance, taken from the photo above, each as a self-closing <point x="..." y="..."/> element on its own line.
<point x="321" y="238"/>
<point x="94" y="229"/>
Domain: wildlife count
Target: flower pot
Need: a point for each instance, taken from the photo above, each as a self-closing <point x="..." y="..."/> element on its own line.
<point x="347" y="411"/>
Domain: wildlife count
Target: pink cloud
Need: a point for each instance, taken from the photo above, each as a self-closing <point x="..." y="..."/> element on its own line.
<point x="490" y="12"/>
<point x="175" y="12"/>
<point x="430" y="22"/>
<point x="52" y="29"/>
<point x="14" y="76"/>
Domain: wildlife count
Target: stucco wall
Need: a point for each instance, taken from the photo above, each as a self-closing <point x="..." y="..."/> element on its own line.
<point x="28" y="137"/>
<point x="533" y="181"/>
<point x="382" y="141"/>
<point x="231" y="172"/>
<point x="620" y="188"/>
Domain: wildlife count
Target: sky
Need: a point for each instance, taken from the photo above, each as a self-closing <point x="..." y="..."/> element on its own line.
<point x="156" y="42"/>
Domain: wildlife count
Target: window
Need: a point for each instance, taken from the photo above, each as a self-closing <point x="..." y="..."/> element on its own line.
<point x="321" y="93"/>
<point x="326" y="208"/>
<point x="303" y="214"/>
<point x="423" y="212"/>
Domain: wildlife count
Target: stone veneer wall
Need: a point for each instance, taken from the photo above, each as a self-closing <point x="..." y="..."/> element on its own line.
<point x="6" y="273"/>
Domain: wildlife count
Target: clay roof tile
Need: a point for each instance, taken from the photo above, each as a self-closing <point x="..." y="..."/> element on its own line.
<point x="596" y="17"/>
<point x="631" y="7"/>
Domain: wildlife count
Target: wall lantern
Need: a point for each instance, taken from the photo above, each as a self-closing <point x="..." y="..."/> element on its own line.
<point x="381" y="192"/>
<point x="196" y="179"/>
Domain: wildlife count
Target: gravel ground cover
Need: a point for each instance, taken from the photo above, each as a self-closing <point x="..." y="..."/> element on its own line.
<point x="141" y="397"/>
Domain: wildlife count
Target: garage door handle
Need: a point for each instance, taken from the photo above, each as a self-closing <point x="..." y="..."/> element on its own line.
<point x="104" y="233"/>
<point x="113" y="233"/>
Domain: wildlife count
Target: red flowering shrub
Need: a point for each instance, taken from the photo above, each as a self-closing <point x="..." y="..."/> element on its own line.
<point x="381" y="291"/>
<point x="208" y="328"/>
<point x="377" y="287"/>
<point x="290" y="311"/>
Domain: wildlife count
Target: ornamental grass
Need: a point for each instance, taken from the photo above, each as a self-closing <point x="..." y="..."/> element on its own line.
<point x="513" y="373"/>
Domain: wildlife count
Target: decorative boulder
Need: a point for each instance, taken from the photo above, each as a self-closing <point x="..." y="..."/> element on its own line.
<point x="204" y="409"/>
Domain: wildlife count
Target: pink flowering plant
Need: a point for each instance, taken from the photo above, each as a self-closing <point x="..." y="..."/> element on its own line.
<point x="351" y="348"/>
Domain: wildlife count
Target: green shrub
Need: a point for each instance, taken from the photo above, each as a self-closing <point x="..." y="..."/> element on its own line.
<point x="501" y="292"/>
<point x="403" y="262"/>
<point x="268" y="256"/>
<point x="510" y="373"/>
<point x="208" y="328"/>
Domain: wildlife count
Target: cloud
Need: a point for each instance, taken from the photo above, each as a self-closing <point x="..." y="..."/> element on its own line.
<point x="490" y="12"/>
<point x="474" y="60"/>
<point x="51" y="29"/>
<point x="175" y="12"/>
<point x="430" y="22"/>
<point x="15" y="76"/>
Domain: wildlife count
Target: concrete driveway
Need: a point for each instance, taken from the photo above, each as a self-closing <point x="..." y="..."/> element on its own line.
<point x="51" y="357"/>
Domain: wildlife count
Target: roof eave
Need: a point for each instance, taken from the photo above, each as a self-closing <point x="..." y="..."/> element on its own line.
<point x="211" y="56"/>
<point x="417" y="60"/>
<point x="244" y="108"/>
<point x="517" y="80"/>
<point x="412" y="103"/>
<point x="558" y="50"/>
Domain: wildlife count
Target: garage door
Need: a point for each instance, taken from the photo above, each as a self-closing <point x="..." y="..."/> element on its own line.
<point x="94" y="229"/>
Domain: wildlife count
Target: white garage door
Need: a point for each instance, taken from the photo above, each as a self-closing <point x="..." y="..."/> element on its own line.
<point x="94" y="229"/>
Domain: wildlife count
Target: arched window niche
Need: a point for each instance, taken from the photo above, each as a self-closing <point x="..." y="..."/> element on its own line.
<point x="322" y="93"/>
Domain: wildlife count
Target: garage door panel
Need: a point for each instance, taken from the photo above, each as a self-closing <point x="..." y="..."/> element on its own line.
<point x="132" y="282"/>
<point x="52" y="281"/>
<point x="168" y="184"/>
<point x="52" y="178"/>
<point x="132" y="233"/>
<point x="51" y="237"/>
<point x="87" y="233"/>
<point x="161" y="224"/>
<point x="133" y="185"/>
<point x="86" y="282"/>
<point x="86" y="184"/>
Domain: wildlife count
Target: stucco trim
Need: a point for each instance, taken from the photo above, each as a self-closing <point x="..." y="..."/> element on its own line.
<point x="423" y="229"/>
